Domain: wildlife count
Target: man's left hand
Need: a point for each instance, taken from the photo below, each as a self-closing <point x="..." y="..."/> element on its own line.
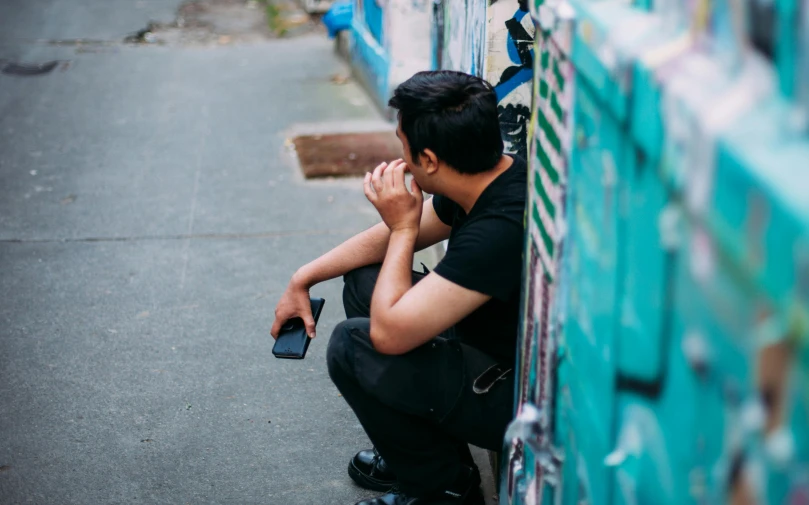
<point x="386" y="189"/>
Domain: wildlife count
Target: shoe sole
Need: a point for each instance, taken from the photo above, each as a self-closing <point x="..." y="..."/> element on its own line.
<point x="366" y="482"/>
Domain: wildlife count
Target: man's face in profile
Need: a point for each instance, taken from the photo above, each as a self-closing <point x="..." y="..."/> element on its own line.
<point x="412" y="165"/>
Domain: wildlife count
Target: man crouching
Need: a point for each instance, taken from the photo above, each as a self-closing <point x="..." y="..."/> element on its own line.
<point x="424" y="359"/>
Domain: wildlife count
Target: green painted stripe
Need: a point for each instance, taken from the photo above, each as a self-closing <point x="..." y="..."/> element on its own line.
<point x="545" y="60"/>
<point x="546" y="200"/>
<point x="553" y="175"/>
<point x="543" y="88"/>
<point x="557" y="108"/>
<point x="549" y="131"/>
<point x="559" y="77"/>
<point x="546" y="239"/>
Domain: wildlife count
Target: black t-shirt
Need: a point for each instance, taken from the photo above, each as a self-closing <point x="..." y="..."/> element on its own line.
<point x="485" y="255"/>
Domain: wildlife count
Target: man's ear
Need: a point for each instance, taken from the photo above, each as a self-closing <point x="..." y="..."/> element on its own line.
<point x="429" y="161"/>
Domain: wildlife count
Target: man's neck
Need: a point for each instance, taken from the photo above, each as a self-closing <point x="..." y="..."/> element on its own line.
<point x="466" y="189"/>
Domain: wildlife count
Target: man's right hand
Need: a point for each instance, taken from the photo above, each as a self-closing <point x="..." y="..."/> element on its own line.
<point x="294" y="303"/>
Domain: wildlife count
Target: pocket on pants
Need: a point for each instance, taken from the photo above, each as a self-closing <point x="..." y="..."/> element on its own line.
<point x="425" y="382"/>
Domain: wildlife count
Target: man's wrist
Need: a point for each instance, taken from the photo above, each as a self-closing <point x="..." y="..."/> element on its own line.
<point x="301" y="278"/>
<point x="409" y="232"/>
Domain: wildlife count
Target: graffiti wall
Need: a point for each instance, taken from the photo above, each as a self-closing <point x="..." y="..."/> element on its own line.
<point x="509" y="66"/>
<point x="460" y="35"/>
<point x="530" y="464"/>
<point x="548" y="161"/>
<point x="393" y="39"/>
<point x="390" y="41"/>
<point x="493" y="40"/>
<point x="409" y="25"/>
<point x="664" y="346"/>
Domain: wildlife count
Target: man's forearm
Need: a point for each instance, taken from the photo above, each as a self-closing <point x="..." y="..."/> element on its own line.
<point x="368" y="248"/>
<point x="363" y="249"/>
<point x="395" y="278"/>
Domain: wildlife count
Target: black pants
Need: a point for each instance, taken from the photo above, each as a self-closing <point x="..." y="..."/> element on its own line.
<point x="418" y="409"/>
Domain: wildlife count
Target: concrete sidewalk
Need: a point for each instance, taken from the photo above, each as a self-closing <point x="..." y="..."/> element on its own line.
<point x="149" y="220"/>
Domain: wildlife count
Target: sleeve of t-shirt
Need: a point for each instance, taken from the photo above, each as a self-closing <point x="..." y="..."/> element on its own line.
<point x="485" y="256"/>
<point x="444" y="208"/>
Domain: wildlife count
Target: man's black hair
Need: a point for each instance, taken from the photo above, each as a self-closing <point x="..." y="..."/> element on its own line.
<point x="454" y="115"/>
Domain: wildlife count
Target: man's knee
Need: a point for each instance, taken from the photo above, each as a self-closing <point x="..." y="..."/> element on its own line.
<point x="363" y="276"/>
<point x="357" y="290"/>
<point x="340" y="351"/>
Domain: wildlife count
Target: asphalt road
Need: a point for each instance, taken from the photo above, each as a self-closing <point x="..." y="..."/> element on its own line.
<point x="149" y="219"/>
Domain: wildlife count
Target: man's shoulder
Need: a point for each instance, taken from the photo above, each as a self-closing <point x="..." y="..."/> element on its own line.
<point x="495" y="226"/>
<point x="506" y="199"/>
<point x="518" y="172"/>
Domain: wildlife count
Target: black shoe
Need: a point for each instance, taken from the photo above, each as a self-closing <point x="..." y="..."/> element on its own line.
<point x="369" y="471"/>
<point x="464" y="491"/>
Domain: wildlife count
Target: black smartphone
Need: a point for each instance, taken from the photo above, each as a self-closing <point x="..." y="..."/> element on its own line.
<point x="292" y="341"/>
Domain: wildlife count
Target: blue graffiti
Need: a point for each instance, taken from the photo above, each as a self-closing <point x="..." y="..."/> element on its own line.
<point x="373" y="18"/>
<point x="513" y="52"/>
<point x="514" y="117"/>
<point x="520" y="53"/>
<point x="521" y="77"/>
